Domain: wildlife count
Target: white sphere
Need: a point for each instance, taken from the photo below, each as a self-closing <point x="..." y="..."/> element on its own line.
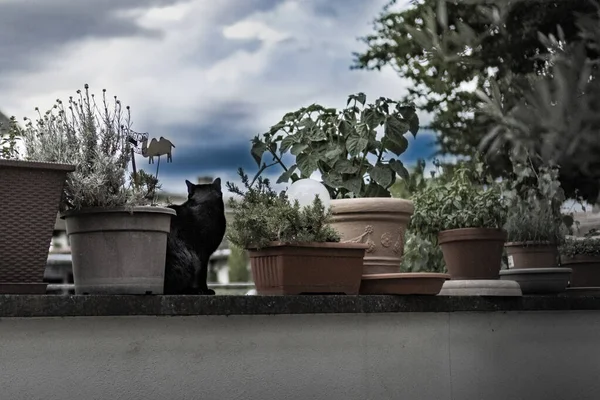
<point x="305" y="190"/>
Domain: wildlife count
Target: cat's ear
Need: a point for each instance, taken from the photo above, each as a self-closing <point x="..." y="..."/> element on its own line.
<point x="217" y="183"/>
<point x="190" y="186"/>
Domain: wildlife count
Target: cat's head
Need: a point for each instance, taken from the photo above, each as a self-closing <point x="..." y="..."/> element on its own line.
<point x="205" y="192"/>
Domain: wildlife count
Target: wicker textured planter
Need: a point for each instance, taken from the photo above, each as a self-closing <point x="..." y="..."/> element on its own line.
<point x="473" y="253"/>
<point x="30" y="193"/>
<point x="307" y="268"/>
<point x="119" y="251"/>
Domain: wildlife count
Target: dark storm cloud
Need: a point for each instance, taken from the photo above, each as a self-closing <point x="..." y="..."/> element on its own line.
<point x="33" y="28"/>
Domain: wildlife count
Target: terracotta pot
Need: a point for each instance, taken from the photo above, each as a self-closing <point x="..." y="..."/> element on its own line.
<point x="418" y="283"/>
<point x="586" y="270"/>
<point x="30" y="194"/>
<point x="380" y="223"/>
<point x="119" y="251"/>
<point x="532" y="255"/>
<point x="282" y="269"/>
<point x="473" y="253"/>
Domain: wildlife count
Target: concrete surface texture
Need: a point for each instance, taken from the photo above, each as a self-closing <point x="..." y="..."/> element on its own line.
<point x="429" y="356"/>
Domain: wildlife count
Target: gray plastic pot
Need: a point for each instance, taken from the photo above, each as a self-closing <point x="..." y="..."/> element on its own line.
<point x="119" y="251"/>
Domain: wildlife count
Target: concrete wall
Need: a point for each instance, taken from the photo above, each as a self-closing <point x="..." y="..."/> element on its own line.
<point x="432" y="356"/>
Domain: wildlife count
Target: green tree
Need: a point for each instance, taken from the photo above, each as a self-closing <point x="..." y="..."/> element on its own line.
<point x="238" y="265"/>
<point x="441" y="46"/>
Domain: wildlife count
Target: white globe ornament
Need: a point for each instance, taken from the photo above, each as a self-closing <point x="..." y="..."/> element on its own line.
<point x="305" y="191"/>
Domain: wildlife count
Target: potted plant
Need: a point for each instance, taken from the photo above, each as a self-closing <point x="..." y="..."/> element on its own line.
<point x="292" y="249"/>
<point x="582" y="255"/>
<point x="30" y="191"/>
<point x="467" y="220"/>
<point x="117" y="235"/>
<point x="357" y="164"/>
<point x="535" y="223"/>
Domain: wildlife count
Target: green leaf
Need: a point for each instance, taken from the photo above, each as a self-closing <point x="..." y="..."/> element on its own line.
<point x="361" y="98"/>
<point x="375" y="190"/>
<point x="413" y="124"/>
<point x="286" y="143"/>
<point x="285" y="177"/>
<point x="356" y="144"/>
<point x="258" y="149"/>
<point x="381" y="174"/>
<point x="298" y="148"/>
<point x="334" y="153"/>
<point x="395" y="126"/>
<point x="353" y="184"/>
<point x="333" y="179"/>
<point x="307" y="163"/>
<point x="395" y="144"/>
<point x="345" y="167"/>
<point x="363" y="130"/>
<point x="399" y="168"/>
<point x="345" y="128"/>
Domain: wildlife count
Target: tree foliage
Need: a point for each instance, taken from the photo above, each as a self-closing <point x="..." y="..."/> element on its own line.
<point x="441" y="46"/>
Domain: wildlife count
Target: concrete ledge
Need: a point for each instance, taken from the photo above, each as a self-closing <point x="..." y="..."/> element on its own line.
<point x="64" y="306"/>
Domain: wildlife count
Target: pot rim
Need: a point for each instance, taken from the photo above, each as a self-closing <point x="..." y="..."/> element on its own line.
<point x="372" y="204"/>
<point x="37" y="165"/>
<point x="471" y="234"/>
<point x="324" y="245"/>
<point x="531" y="243"/>
<point x="407" y="275"/>
<point x="528" y="271"/>
<point x="109" y="210"/>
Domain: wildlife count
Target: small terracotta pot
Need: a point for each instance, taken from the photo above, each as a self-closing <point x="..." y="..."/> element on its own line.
<point x="283" y="269"/>
<point x="586" y="270"/>
<point x="532" y="255"/>
<point x="473" y="253"/>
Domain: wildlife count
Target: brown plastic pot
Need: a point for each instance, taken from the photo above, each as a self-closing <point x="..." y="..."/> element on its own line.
<point x="418" y="283"/>
<point x="532" y="255"/>
<point x="473" y="253"/>
<point x="30" y="193"/>
<point x="119" y="251"/>
<point x="586" y="270"/>
<point x="283" y="269"/>
<point x="378" y="222"/>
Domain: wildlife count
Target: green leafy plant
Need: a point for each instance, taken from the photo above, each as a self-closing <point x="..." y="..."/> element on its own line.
<point x="93" y="137"/>
<point x="9" y="134"/>
<point x="262" y="216"/>
<point x="589" y="245"/>
<point x="238" y="265"/>
<point x="459" y="204"/>
<point x="422" y="254"/>
<point x="343" y="146"/>
<point x="534" y="199"/>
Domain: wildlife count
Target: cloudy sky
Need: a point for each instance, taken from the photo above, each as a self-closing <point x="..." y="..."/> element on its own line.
<point x="208" y="74"/>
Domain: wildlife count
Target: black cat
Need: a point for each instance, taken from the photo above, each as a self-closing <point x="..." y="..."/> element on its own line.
<point x="196" y="232"/>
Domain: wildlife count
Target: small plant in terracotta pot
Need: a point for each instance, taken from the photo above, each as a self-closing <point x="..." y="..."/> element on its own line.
<point x="357" y="152"/>
<point x="535" y="224"/>
<point x="292" y="249"/>
<point x="582" y="255"/>
<point x="466" y="220"/>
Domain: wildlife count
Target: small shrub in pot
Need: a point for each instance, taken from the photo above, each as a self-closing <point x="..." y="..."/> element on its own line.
<point x="292" y="250"/>
<point x="582" y="255"/>
<point x="466" y="220"/>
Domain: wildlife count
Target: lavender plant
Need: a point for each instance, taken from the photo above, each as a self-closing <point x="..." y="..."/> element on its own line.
<point x="93" y="137"/>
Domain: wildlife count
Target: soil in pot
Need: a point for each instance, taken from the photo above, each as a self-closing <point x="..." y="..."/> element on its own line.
<point x="380" y="223"/>
<point x="539" y="280"/>
<point x="332" y="268"/>
<point x="532" y="255"/>
<point x="115" y="251"/>
<point x="472" y="253"/>
<point x="586" y="270"/>
<point x="418" y="283"/>
<point x="29" y="199"/>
